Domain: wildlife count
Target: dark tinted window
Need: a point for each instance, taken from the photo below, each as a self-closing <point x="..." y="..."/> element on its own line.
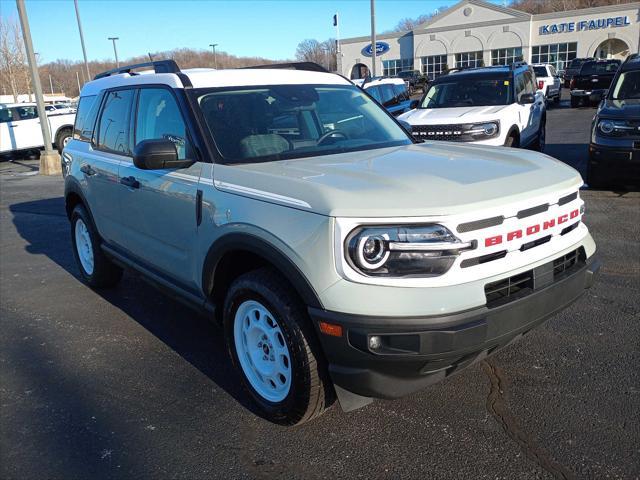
<point x="85" y="118"/>
<point x="113" y="133"/>
<point x="28" y="112"/>
<point x="595" y="68"/>
<point x="159" y="117"/>
<point x="540" y="71"/>
<point x="529" y="85"/>
<point x="468" y="91"/>
<point x="5" y="115"/>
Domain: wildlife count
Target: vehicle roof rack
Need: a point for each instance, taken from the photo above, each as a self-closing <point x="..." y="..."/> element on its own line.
<point x="308" y="66"/>
<point x="159" y="66"/>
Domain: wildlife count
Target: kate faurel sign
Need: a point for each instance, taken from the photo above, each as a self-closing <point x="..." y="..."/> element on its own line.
<point x="584" y="25"/>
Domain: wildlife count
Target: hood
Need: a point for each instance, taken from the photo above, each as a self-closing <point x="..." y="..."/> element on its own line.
<point x="447" y="116"/>
<point x="620" y="108"/>
<point x="432" y="178"/>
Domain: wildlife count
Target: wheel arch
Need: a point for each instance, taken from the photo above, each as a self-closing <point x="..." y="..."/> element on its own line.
<point x="73" y="196"/>
<point x="515" y="131"/>
<point x="236" y="253"/>
<point x="61" y="128"/>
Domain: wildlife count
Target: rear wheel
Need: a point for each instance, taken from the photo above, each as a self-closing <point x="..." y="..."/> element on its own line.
<point x="274" y="347"/>
<point x="62" y="138"/>
<point x="556" y="100"/>
<point x="96" y="269"/>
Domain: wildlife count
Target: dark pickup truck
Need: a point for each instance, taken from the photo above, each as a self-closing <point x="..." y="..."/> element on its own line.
<point x="414" y="79"/>
<point x="593" y="80"/>
<point x="573" y="69"/>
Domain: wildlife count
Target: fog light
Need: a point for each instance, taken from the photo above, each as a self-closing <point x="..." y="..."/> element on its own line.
<point x="375" y="342"/>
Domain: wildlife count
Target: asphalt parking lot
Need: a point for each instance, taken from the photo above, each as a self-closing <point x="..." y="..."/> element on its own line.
<point x="128" y="383"/>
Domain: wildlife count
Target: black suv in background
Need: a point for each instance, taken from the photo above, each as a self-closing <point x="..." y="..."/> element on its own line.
<point x="573" y="68"/>
<point x="591" y="83"/>
<point x="614" y="150"/>
<point x="415" y="80"/>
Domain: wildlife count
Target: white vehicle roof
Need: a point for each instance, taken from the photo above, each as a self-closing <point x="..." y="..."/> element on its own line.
<point x="382" y="81"/>
<point x="209" y="77"/>
<point x="11" y="105"/>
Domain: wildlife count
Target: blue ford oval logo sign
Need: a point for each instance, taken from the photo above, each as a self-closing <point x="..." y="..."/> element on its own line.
<point x="381" y="49"/>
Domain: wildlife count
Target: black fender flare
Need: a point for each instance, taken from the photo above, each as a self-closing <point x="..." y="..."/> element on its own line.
<point x="256" y="245"/>
<point x="72" y="186"/>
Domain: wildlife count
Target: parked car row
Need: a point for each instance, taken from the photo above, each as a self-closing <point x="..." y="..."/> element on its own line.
<point x="590" y="83"/>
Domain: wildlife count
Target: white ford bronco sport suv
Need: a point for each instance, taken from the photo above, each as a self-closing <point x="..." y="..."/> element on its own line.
<point x="342" y="257"/>
<point x="486" y="105"/>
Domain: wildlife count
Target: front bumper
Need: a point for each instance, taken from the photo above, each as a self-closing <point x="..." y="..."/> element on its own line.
<point x="415" y="352"/>
<point x="608" y="162"/>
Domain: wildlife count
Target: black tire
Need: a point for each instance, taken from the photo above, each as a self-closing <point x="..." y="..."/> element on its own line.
<point x="575" y="102"/>
<point x="310" y="392"/>
<point x="541" y="139"/>
<point x="105" y="273"/>
<point x="63" y="135"/>
<point x="556" y="100"/>
<point x="512" y="141"/>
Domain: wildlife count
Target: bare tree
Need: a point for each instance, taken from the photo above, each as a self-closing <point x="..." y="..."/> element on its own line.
<point x="13" y="71"/>
<point x="322" y="53"/>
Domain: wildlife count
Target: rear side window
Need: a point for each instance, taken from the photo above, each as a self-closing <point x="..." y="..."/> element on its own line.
<point x="540" y="71"/>
<point x="85" y="118"/>
<point x="113" y="130"/>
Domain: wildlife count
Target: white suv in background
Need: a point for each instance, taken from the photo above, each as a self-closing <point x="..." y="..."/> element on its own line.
<point x="548" y="81"/>
<point x="488" y="105"/>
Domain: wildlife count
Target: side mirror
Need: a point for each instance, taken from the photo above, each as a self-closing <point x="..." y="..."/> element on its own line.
<point x="157" y="155"/>
<point x="414" y="104"/>
<point x="527" y="98"/>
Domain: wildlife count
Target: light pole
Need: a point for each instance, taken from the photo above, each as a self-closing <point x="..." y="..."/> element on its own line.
<point x="49" y="161"/>
<point x="84" y="50"/>
<point x="373" y="38"/>
<point x="115" y="50"/>
<point x="215" y="59"/>
<point x="51" y="84"/>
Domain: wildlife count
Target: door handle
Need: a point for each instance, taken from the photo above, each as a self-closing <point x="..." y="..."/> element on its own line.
<point x="87" y="170"/>
<point x="130" y="182"/>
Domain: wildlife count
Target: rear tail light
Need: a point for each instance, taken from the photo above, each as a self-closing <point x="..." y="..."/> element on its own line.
<point x="572" y="83"/>
<point x="540" y="84"/>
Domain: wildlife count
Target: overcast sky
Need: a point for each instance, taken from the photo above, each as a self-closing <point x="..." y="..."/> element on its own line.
<point x="270" y="29"/>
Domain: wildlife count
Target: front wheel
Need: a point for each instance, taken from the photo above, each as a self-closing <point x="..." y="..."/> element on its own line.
<point x="274" y="348"/>
<point x="511" y="141"/>
<point x="542" y="137"/>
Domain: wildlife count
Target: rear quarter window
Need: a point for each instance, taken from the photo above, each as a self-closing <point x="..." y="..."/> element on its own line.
<point x="85" y="118"/>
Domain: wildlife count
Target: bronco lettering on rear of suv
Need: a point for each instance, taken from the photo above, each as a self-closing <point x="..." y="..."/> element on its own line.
<point x="341" y="256"/>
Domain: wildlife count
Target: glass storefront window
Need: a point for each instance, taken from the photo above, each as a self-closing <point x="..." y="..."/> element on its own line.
<point x="468" y="59"/>
<point x="391" y="68"/>
<point x="557" y="54"/>
<point x="506" y="56"/>
<point x="433" y="65"/>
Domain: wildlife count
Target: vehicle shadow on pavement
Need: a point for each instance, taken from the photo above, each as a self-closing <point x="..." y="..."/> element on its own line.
<point x="195" y="338"/>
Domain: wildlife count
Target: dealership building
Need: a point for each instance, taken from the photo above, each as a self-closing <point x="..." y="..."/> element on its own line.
<point x="475" y="32"/>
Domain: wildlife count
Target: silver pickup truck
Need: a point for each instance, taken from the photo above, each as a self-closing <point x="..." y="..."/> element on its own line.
<point x="341" y="256"/>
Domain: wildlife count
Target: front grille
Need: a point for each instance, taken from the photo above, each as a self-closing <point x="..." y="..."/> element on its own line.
<point x="452" y="133"/>
<point x="518" y="286"/>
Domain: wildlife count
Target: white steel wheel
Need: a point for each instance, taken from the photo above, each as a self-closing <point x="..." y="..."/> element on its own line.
<point x="84" y="247"/>
<point x="66" y="140"/>
<point x="262" y="351"/>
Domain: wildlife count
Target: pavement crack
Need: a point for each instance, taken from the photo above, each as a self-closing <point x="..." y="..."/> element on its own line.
<point x="497" y="406"/>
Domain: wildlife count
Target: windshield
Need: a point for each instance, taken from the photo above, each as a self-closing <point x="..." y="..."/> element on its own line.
<point x="595" y="68"/>
<point x="540" y="71"/>
<point x="277" y="122"/>
<point x="627" y="86"/>
<point x="468" y="92"/>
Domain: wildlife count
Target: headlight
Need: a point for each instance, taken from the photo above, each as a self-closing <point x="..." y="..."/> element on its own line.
<point x="614" y="127"/>
<point x="401" y="251"/>
<point x="482" y="130"/>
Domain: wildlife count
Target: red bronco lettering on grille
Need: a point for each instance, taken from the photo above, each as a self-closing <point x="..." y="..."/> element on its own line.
<point x="532" y="229"/>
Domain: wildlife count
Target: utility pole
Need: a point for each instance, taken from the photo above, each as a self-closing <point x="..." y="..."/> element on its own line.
<point x="78" y="80"/>
<point x="84" y="50"/>
<point x="49" y="161"/>
<point x="373" y="38"/>
<point x="215" y="59"/>
<point x="115" y="50"/>
<point x="51" y="84"/>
